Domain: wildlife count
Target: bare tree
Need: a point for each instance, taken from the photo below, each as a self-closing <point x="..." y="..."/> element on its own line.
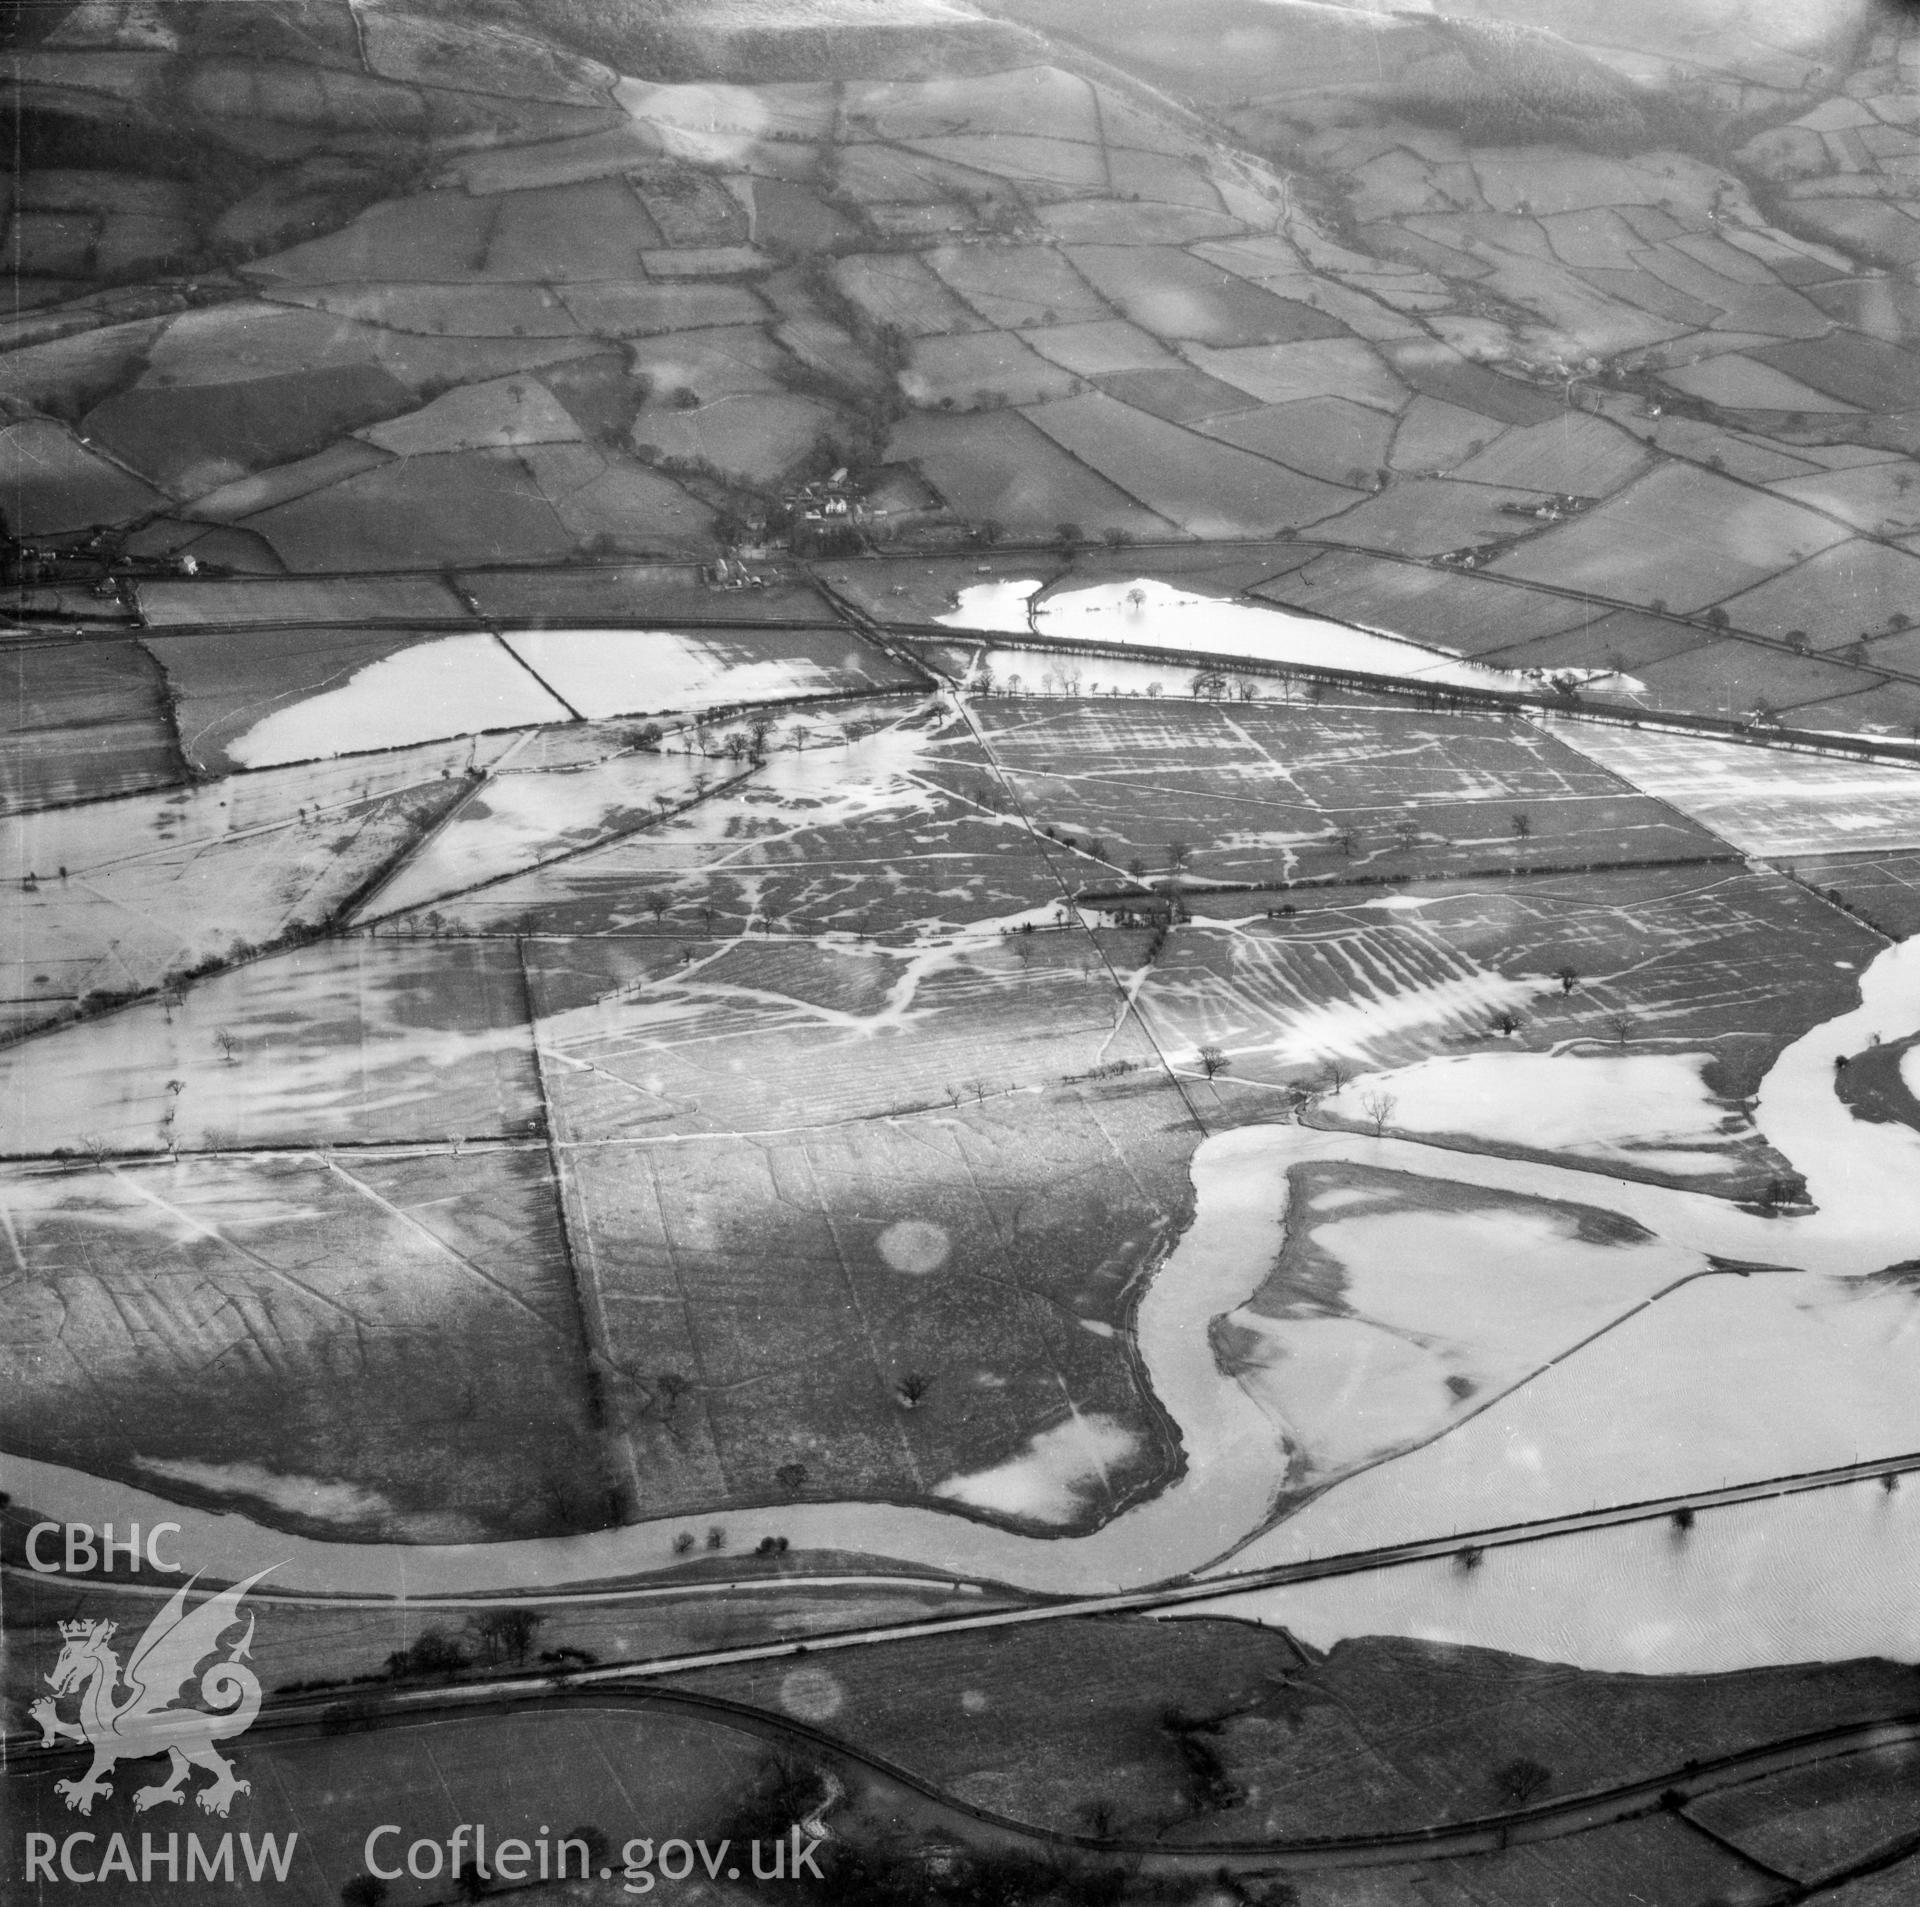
<point x="1522" y="1781"/>
<point x="1379" y="1107"/>
<point x="1335" y="1073"/>
<point x="229" y="1044"/>
<point x="505" y="1635"/>
<point x="1213" y="1061"/>
<point x="1522" y="825"/>
<point x="656" y="902"/>
<point x="912" y="1388"/>
<point x="1568" y="976"/>
<point x="1620" y="1025"/>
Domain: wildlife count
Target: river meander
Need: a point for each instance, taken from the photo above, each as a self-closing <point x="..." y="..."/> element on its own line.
<point x="1864" y="1178"/>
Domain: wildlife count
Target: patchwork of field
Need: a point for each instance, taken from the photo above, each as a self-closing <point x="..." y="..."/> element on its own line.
<point x="818" y="996"/>
<point x="1268" y="794"/>
<point x="1654" y="381"/>
<point x="508" y="1038"/>
<point x="839" y="833"/>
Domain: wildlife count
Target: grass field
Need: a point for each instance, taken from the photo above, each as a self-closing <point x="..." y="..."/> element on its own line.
<point x="1018" y="286"/>
<point x="52" y="484"/>
<point x="190" y="439"/>
<point x="653" y="593"/>
<point x="977" y="370"/>
<point x="1814" y="1823"/>
<point x="226" y="682"/>
<point x="1712" y="959"/>
<point x="759" y="1035"/>
<point x="341" y="1040"/>
<point x="1175" y="296"/>
<point x="133" y="914"/>
<point x="1209" y="489"/>
<point x="1684" y="538"/>
<point x="1765" y="801"/>
<point x="601" y="1771"/>
<point x="1051" y="1722"/>
<point x="1884" y="889"/>
<point x="373" y="1346"/>
<point x="529" y="814"/>
<point x="897" y="288"/>
<point x="1261" y="792"/>
<point x="1473" y="615"/>
<point x="996" y="464"/>
<point x="766" y="1296"/>
<point x="463" y="507"/>
<point x="841" y="833"/>
<point x="83" y="720"/>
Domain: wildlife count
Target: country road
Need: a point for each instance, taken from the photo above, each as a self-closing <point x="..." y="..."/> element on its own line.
<point x="1154" y="1601"/>
<point x="890" y="1782"/>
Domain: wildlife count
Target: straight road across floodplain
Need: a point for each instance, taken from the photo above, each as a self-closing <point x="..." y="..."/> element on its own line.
<point x="1464" y="1546"/>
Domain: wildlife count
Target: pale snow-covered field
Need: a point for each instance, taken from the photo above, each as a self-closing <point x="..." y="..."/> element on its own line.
<point x="1646" y="1109"/>
<point x="127" y="892"/>
<point x="342" y="1039"/>
<point x="1762" y="800"/>
<point x="605" y="672"/>
<point x="524" y="817"/>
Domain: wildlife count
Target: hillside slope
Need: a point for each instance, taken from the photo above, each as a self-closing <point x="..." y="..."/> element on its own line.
<point x="1527" y="355"/>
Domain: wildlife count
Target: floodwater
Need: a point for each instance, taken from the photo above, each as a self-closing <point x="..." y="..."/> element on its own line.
<point x="1157" y="615"/>
<point x="1590" y="1599"/>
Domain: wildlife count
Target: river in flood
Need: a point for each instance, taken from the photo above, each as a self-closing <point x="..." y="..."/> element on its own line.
<point x="1794" y="1579"/>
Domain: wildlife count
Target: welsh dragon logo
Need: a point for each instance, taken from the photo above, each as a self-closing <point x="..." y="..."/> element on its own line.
<point x="144" y="1720"/>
